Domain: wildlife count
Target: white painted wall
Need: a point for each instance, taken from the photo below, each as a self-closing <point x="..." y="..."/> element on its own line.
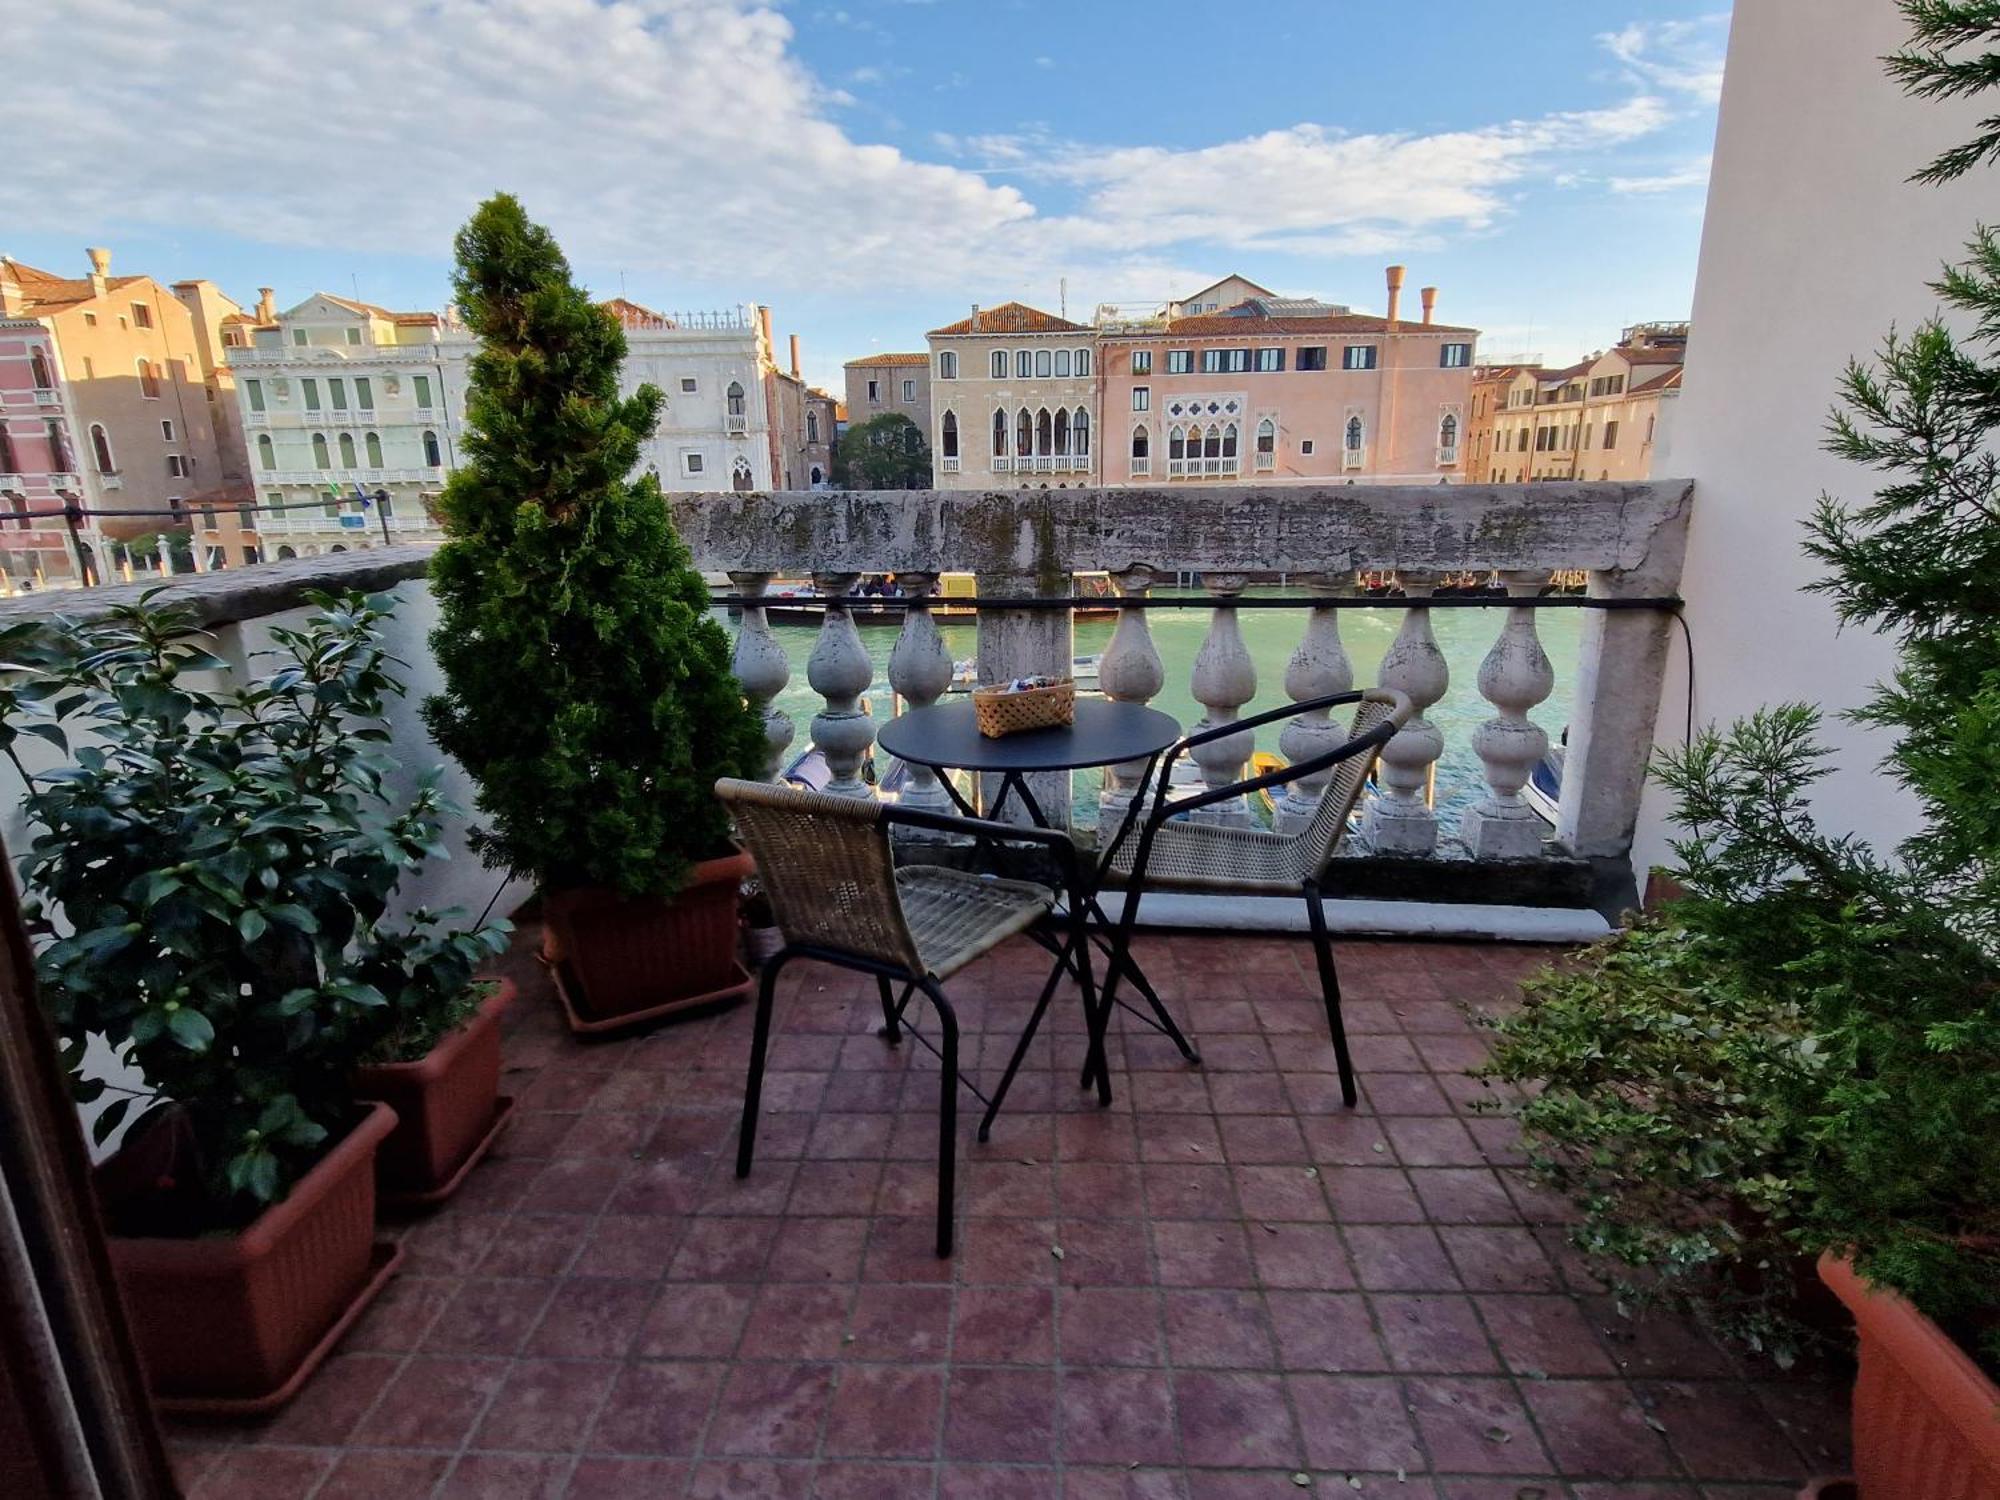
<point x="1814" y="245"/>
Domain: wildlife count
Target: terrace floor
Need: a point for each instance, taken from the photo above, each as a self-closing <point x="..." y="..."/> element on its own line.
<point x="1225" y="1286"/>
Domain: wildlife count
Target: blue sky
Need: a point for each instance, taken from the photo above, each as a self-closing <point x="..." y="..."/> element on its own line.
<point x="873" y="168"/>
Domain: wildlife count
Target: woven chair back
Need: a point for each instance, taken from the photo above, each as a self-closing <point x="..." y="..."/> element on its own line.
<point x="1343" y="788"/>
<point x="826" y="868"/>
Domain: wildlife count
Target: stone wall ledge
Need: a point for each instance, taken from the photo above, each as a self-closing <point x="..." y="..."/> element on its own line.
<point x="233" y="594"/>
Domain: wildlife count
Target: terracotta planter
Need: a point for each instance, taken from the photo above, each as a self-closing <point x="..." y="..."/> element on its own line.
<point x="620" y="961"/>
<point x="234" y="1324"/>
<point x="448" y="1109"/>
<point x="1926" y="1419"/>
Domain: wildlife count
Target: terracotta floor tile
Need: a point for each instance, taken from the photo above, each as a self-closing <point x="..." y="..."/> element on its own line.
<point x="1003" y="1416"/>
<point x="792" y="1321"/>
<point x="1203" y="1252"/>
<point x="656" y="1409"/>
<point x="1719" y="1431"/>
<point x="1235" y="1420"/>
<point x="1295" y="1256"/>
<point x="1329" y="1332"/>
<point x="595" y="1319"/>
<point x="259" y="1473"/>
<point x="1004" y="1325"/>
<point x="1108" y="1326"/>
<point x="891" y="1322"/>
<point x="1355" y="1422"/>
<point x="1475" y="1426"/>
<point x="504" y="1476"/>
<point x="1434" y="1334"/>
<point x="1597" y="1427"/>
<point x="1217" y="1330"/>
<point x="885" y="1411"/>
<point x="851" y="1479"/>
<point x="432" y="1403"/>
<point x="627" y="1479"/>
<point x="373" y="1475"/>
<point x="1544" y="1336"/>
<point x="1118" y="1417"/>
<point x="1400" y="1258"/>
<point x="728" y="1479"/>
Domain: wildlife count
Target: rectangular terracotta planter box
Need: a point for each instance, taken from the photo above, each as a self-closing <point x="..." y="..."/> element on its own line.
<point x="240" y="1319"/>
<point x="446" y="1103"/>
<point x="1926" y="1418"/>
<point x="620" y="961"/>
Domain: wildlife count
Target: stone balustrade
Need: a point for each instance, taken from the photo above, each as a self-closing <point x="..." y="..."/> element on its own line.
<point x="1626" y="538"/>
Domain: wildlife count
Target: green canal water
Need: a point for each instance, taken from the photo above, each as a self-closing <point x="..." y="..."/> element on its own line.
<point x="1464" y="635"/>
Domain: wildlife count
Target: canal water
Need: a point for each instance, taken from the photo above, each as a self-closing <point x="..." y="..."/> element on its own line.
<point x="1464" y="635"/>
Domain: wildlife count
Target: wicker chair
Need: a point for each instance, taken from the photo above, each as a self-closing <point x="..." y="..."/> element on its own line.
<point x="839" y="897"/>
<point x="1172" y="853"/>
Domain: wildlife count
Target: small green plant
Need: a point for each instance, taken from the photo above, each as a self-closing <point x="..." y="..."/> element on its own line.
<point x="209" y="882"/>
<point x="1663" y="1109"/>
<point x="589" y="690"/>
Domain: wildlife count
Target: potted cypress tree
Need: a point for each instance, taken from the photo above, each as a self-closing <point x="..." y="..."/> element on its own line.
<point x="588" y="688"/>
<point x="208" y="883"/>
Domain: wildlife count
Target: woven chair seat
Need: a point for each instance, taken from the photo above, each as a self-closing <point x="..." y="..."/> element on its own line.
<point x="955" y="915"/>
<point x="1209" y="857"/>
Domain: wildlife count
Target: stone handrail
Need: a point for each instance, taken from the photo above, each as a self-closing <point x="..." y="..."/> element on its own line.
<point x="1627" y="538"/>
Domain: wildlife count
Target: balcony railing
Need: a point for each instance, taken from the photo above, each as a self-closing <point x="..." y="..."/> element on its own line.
<point x="1142" y="467"/>
<point x="948" y="465"/>
<point x="1002" y="464"/>
<point x="1202" y="468"/>
<point x="1447" y="456"/>
<point x="1626" y="539"/>
<point x="736" y="424"/>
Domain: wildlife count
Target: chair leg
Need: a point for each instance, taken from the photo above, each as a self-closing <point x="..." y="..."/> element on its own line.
<point x="1329" y="984"/>
<point x="1120" y="962"/>
<point x="1056" y="972"/>
<point x="890" y="1032"/>
<point x="753" y="1090"/>
<point x="947" y="1117"/>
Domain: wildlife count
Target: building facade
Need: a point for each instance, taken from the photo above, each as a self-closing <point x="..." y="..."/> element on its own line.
<point x="128" y="369"/>
<point x="1601" y="418"/>
<point x="716" y="430"/>
<point x="1014" y="400"/>
<point x="38" y="457"/>
<point x="1283" y="389"/>
<point x="891" y="382"/>
<point x="351" y="415"/>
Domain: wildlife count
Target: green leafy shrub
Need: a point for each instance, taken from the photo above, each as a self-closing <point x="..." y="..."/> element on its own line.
<point x="208" y="882"/>
<point x="1662" y="1111"/>
<point x="589" y="690"/>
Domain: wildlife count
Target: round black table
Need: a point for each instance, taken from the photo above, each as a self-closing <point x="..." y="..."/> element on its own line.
<point x="946" y="737"/>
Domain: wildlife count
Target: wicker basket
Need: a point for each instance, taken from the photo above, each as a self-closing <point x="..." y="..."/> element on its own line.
<point x="1001" y="711"/>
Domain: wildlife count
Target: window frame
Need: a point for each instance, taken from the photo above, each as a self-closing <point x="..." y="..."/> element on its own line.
<point x="947" y="364"/>
<point x="1180" y="361"/>
<point x="1311" y="358"/>
<point x="1142" y="398"/>
<point x="1359" y="357"/>
<point x="1454" y="356"/>
<point x="1142" y="362"/>
<point x="1271" y="361"/>
<point x="996" y="364"/>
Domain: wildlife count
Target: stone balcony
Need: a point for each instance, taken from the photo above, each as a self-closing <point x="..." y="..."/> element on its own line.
<point x="1226" y="1286"/>
<point x="1625" y="540"/>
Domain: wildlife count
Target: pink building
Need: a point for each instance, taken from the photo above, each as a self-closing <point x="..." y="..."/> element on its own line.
<point x="38" y="465"/>
<point x="1285" y="389"/>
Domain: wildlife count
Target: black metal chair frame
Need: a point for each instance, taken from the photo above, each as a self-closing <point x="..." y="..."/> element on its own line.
<point x="1072" y="956"/>
<point x="1164" y="808"/>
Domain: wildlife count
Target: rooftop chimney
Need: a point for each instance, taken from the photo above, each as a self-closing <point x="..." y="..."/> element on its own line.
<point x="764" y="324"/>
<point x="975" y="317"/>
<point x="1395" y="293"/>
<point x="100" y="268"/>
<point x="267" y="306"/>
<point x="795" y="357"/>
<point x="1430" y="296"/>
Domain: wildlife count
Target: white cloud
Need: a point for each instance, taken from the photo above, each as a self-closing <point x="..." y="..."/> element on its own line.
<point x="1693" y="175"/>
<point x="684" y="138"/>
<point x="1681" y="56"/>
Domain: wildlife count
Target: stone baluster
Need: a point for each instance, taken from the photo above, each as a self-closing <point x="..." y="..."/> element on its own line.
<point x="1224" y="679"/>
<point x="1319" y="667"/>
<point x="920" y="671"/>
<point x="839" y="670"/>
<point x="1130" y="671"/>
<point x="762" y="668"/>
<point x="1514" y="677"/>
<point x="1399" y="822"/>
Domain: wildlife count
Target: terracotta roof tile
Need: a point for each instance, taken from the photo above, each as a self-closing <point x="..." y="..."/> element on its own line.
<point x="370" y="309"/>
<point x="1010" y="317"/>
<point x="885" y="360"/>
<point x="1666" y="380"/>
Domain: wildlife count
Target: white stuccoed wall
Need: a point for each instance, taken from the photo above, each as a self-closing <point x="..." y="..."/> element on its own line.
<point x="1814" y="246"/>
